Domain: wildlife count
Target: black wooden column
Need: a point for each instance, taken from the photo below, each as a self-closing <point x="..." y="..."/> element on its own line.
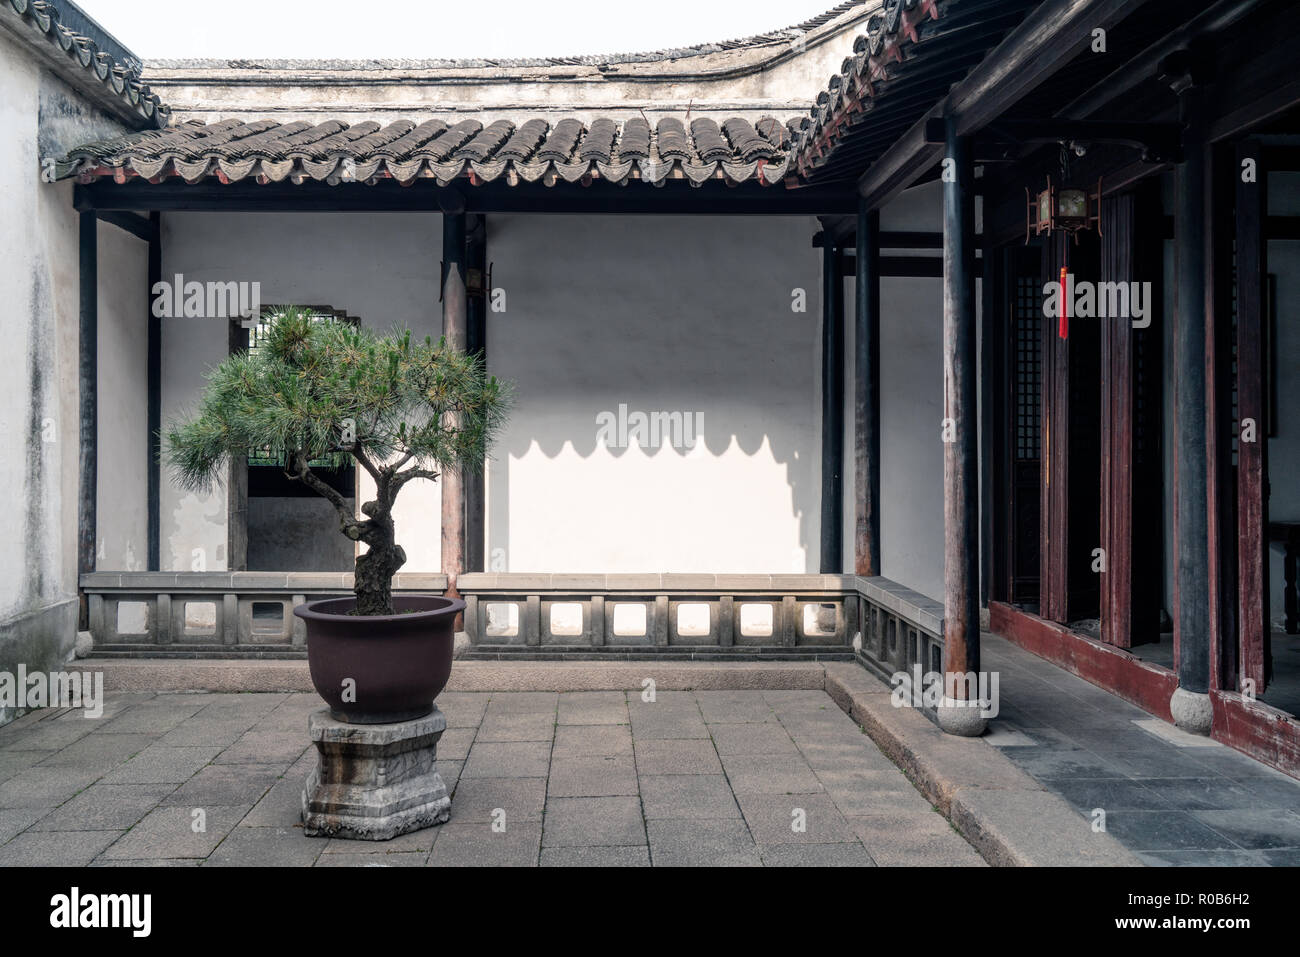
<point x="476" y="343"/>
<point x="88" y="392"/>
<point x="154" y="385"/>
<point x="832" y="557"/>
<point x="1252" y="457"/>
<point x="961" y="633"/>
<point x="866" y="394"/>
<point x="1191" y="520"/>
<point x="455" y="321"/>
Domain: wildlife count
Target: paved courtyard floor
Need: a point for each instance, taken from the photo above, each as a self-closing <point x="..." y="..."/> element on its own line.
<point x="600" y="778"/>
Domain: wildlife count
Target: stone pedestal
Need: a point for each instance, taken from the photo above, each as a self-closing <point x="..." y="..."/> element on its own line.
<point x="373" y="782"/>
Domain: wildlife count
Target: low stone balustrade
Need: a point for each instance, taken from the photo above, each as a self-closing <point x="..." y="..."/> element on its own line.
<point x="214" y="614"/>
<point x="885" y="626"/>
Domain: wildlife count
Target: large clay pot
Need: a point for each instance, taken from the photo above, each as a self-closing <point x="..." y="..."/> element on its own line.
<point x="395" y="664"/>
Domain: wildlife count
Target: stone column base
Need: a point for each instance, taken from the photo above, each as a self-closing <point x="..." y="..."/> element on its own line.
<point x="373" y="782"/>
<point x="962" y="718"/>
<point x="1191" y="711"/>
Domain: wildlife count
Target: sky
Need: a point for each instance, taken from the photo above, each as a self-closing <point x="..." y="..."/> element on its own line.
<point x="156" y="29"/>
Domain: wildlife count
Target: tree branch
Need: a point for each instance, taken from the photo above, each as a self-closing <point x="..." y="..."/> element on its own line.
<point x="347" y="518"/>
<point x="359" y="454"/>
<point x="401" y="478"/>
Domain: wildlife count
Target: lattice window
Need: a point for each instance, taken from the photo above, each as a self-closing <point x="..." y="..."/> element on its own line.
<point x="257" y="337"/>
<point x="1029" y="369"/>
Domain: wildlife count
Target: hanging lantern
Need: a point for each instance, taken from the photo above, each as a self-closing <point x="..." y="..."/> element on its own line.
<point x="1069" y="209"/>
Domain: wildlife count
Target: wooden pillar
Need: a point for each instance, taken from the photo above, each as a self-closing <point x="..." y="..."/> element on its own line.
<point x="1054" y="511"/>
<point x="476" y="343"/>
<point x="455" y="321"/>
<point x="154" y="409"/>
<point x="1252" y="456"/>
<point x="832" y="493"/>
<point x="866" y="394"/>
<point x="238" y="340"/>
<point x="88" y="393"/>
<point x="1118" y="265"/>
<point x="1191" y="522"/>
<point x="1221" y="515"/>
<point x="960" y="462"/>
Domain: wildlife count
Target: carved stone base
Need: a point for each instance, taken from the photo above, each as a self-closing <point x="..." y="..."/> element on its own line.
<point x="373" y="782"/>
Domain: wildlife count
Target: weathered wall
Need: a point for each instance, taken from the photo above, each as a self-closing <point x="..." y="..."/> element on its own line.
<point x="380" y="267"/>
<point x="39" y="116"/>
<point x="779" y="78"/>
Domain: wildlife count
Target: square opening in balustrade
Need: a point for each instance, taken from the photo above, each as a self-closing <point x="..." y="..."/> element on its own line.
<point x="200" y="618"/>
<point x="756" y="620"/>
<point x="132" y="618"/>
<point x="268" y="617"/>
<point x="629" y="619"/>
<point x="693" y="619"/>
<point x="819" y="619"/>
<point x="502" y="619"/>
<point x="566" y="618"/>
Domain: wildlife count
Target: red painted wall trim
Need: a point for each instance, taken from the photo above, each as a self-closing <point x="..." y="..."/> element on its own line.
<point x="1264" y="733"/>
<point x="1138" y="682"/>
<point x="1252" y="727"/>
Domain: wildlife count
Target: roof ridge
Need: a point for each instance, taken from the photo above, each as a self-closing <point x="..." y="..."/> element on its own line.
<point x="98" y="58"/>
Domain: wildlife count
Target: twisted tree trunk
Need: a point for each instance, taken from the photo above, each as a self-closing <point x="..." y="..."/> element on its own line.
<point x="373" y="583"/>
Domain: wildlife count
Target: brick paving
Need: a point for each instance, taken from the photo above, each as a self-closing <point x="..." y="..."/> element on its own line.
<point x="582" y="778"/>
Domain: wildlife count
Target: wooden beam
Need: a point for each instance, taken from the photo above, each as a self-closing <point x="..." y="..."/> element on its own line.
<point x="676" y="198"/>
<point x="866" y="395"/>
<point x="888" y="239"/>
<point x="832" y="488"/>
<point x="135" y="224"/>
<point x="1044" y="42"/>
<point x="455" y="321"/>
<point x="1252" y="456"/>
<point x="961" y="625"/>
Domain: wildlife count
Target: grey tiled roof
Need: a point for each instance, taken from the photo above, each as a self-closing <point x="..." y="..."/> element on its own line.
<point x="86" y="47"/>
<point x="911" y="54"/>
<point x="335" y="151"/>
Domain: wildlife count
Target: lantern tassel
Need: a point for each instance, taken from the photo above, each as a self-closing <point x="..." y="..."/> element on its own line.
<point x="1063" y="329"/>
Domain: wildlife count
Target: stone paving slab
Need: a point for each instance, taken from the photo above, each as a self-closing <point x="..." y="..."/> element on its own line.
<point x="538" y="778"/>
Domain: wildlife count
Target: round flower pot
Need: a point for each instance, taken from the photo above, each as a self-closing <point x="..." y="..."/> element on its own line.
<point x="380" y="669"/>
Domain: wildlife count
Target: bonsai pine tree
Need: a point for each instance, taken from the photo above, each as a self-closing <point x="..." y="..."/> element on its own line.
<point x="321" y="391"/>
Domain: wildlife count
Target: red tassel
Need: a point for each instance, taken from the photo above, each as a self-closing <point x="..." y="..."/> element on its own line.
<point x="1063" y="330"/>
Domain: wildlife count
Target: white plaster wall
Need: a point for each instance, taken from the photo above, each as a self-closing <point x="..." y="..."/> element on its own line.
<point x="122" y="514"/>
<point x="382" y="267"/>
<point x="686" y="314"/>
<point x="911" y="408"/>
<point x="38" y="230"/>
<point x="39" y="116"/>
